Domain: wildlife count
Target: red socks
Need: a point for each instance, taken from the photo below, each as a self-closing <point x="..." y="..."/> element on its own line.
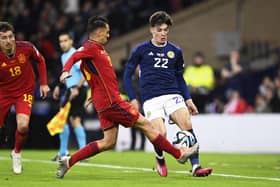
<point x="163" y="144"/>
<point x="20" y="140"/>
<point x="92" y="149"/>
<point x="89" y="150"/>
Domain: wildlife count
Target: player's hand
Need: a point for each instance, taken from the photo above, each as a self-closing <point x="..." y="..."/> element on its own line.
<point x="135" y="104"/>
<point x="87" y="103"/>
<point x="191" y="106"/>
<point x="64" y="76"/>
<point x="44" y="89"/>
<point x="56" y="93"/>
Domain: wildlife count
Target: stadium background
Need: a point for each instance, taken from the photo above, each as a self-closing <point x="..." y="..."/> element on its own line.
<point x="215" y="27"/>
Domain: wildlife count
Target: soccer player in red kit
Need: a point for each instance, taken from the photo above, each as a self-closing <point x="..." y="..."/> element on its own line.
<point x="17" y="84"/>
<point x="112" y="110"/>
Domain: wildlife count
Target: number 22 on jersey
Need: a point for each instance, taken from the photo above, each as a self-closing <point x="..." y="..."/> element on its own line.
<point x="161" y="62"/>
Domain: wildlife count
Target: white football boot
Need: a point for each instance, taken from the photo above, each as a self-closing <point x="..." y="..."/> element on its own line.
<point x="17" y="166"/>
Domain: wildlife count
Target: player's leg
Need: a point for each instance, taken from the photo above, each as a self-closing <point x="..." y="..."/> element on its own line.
<point x="158" y="124"/>
<point x="91" y="149"/>
<point x="21" y="135"/>
<point x="182" y="118"/>
<point x="154" y="112"/>
<point x="23" y="110"/>
<point x="125" y="114"/>
<point x="162" y="143"/>
<point x="4" y="108"/>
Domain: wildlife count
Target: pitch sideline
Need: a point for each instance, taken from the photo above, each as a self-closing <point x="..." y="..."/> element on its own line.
<point x="145" y="169"/>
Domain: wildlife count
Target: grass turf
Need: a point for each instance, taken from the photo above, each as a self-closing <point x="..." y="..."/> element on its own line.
<point x="128" y="169"/>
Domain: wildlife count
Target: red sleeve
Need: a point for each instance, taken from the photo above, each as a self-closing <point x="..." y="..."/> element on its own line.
<point x="41" y="65"/>
<point x="80" y="54"/>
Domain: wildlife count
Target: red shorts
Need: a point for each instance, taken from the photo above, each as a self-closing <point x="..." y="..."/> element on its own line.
<point x="121" y="113"/>
<point x="22" y="102"/>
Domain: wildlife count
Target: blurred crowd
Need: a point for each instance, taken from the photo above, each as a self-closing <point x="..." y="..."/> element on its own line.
<point x="41" y="21"/>
<point x="246" y="84"/>
<point x="249" y="82"/>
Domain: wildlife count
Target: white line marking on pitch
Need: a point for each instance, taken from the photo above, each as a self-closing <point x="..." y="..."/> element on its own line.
<point x="126" y="168"/>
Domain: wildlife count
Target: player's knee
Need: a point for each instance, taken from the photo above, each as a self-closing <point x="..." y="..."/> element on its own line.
<point x="108" y="143"/>
<point x="22" y="123"/>
<point x="23" y="128"/>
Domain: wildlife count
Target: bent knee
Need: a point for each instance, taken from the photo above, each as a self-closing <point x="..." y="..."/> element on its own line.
<point x="23" y="128"/>
<point x="107" y="144"/>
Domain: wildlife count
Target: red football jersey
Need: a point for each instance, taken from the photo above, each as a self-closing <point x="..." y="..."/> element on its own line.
<point x="98" y="70"/>
<point x="16" y="72"/>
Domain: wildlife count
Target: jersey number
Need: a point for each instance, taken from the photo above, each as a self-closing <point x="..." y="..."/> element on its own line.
<point x="28" y="98"/>
<point x="161" y="62"/>
<point x="15" y="71"/>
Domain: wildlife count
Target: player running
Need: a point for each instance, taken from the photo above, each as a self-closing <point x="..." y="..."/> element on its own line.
<point x="162" y="87"/>
<point x="112" y="110"/>
<point x="17" y="84"/>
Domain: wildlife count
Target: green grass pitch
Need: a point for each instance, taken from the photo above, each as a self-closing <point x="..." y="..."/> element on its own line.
<point x="129" y="169"/>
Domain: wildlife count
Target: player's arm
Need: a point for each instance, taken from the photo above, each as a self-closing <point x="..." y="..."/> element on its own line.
<point x="130" y="68"/>
<point x="75" y="90"/>
<point x="82" y="80"/>
<point x="182" y="84"/>
<point x="80" y="54"/>
<point x="41" y="66"/>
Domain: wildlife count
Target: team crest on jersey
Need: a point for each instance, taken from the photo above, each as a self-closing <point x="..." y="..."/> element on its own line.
<point x="3" y="64"/>
<point x="170" y="54"/>
<point x="21" y="58"/>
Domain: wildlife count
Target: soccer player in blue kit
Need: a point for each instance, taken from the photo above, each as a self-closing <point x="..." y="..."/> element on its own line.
<point x="162" y="87"/>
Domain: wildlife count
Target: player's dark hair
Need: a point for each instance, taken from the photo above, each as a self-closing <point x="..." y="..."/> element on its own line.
<point x="5" y="26"/>
<point x="160" y="17"/>
<point x="96" y="22"/>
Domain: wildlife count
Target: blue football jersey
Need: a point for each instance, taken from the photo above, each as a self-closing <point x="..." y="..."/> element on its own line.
<point x="161" y="71"/>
